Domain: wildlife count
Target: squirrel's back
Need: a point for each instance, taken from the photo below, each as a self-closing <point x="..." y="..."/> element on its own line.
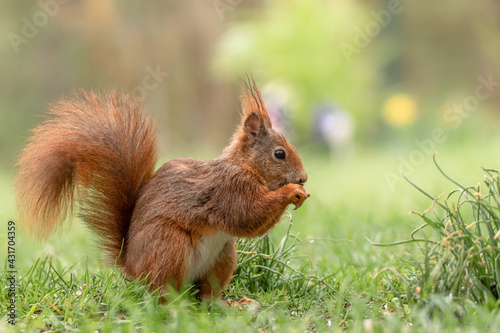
<point x="95" y="151"/>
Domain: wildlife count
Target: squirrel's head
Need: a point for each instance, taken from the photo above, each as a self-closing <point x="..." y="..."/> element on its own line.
<point x="262" y="148"/>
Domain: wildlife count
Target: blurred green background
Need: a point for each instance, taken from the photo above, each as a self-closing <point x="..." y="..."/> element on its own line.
<point x="397" y="80"/>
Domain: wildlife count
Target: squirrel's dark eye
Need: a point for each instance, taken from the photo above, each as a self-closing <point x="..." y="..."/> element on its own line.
<point x="279" y="154"/>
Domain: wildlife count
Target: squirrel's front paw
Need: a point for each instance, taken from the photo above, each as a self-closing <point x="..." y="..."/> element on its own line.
<point x="298" y="195"/>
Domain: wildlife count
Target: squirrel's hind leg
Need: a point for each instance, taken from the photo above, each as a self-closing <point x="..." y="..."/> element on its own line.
<point x="158" y="251"/>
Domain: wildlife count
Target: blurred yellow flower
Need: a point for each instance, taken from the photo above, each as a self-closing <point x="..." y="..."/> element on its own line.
<point x="400" y="110"/>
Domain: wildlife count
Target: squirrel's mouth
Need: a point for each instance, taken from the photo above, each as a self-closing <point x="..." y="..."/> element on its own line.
<point x="285" y="182"/>
<point x="300" y="182"/>
<point x="276" y="184"/>
<point x="273" y="186"/>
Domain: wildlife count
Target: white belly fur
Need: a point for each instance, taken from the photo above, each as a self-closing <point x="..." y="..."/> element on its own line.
<point x="204" y="255"/>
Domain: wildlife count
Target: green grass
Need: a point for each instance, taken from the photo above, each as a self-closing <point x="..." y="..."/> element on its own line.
<point x="459" y="243"/>
<point x="315" y="273"/>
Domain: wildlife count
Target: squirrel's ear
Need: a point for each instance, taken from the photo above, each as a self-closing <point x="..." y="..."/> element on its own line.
<point x="252" y="125"/>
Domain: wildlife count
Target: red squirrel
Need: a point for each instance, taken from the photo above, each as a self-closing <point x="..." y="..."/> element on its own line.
<point x="173" y="226"/>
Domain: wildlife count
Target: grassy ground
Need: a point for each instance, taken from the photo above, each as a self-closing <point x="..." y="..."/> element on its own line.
<point x="318" y="273"/>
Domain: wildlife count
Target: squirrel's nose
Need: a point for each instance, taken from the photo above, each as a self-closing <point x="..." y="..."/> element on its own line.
<point x="302" y="177"/>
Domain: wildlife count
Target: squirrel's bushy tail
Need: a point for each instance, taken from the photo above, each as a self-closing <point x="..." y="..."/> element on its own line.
<point x="96" y="152"/>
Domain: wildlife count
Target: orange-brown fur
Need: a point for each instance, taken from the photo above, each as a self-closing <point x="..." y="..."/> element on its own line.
<point x="173" y="225"/>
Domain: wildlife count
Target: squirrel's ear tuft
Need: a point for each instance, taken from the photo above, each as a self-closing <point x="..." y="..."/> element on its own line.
<point x="251" y="102"/>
